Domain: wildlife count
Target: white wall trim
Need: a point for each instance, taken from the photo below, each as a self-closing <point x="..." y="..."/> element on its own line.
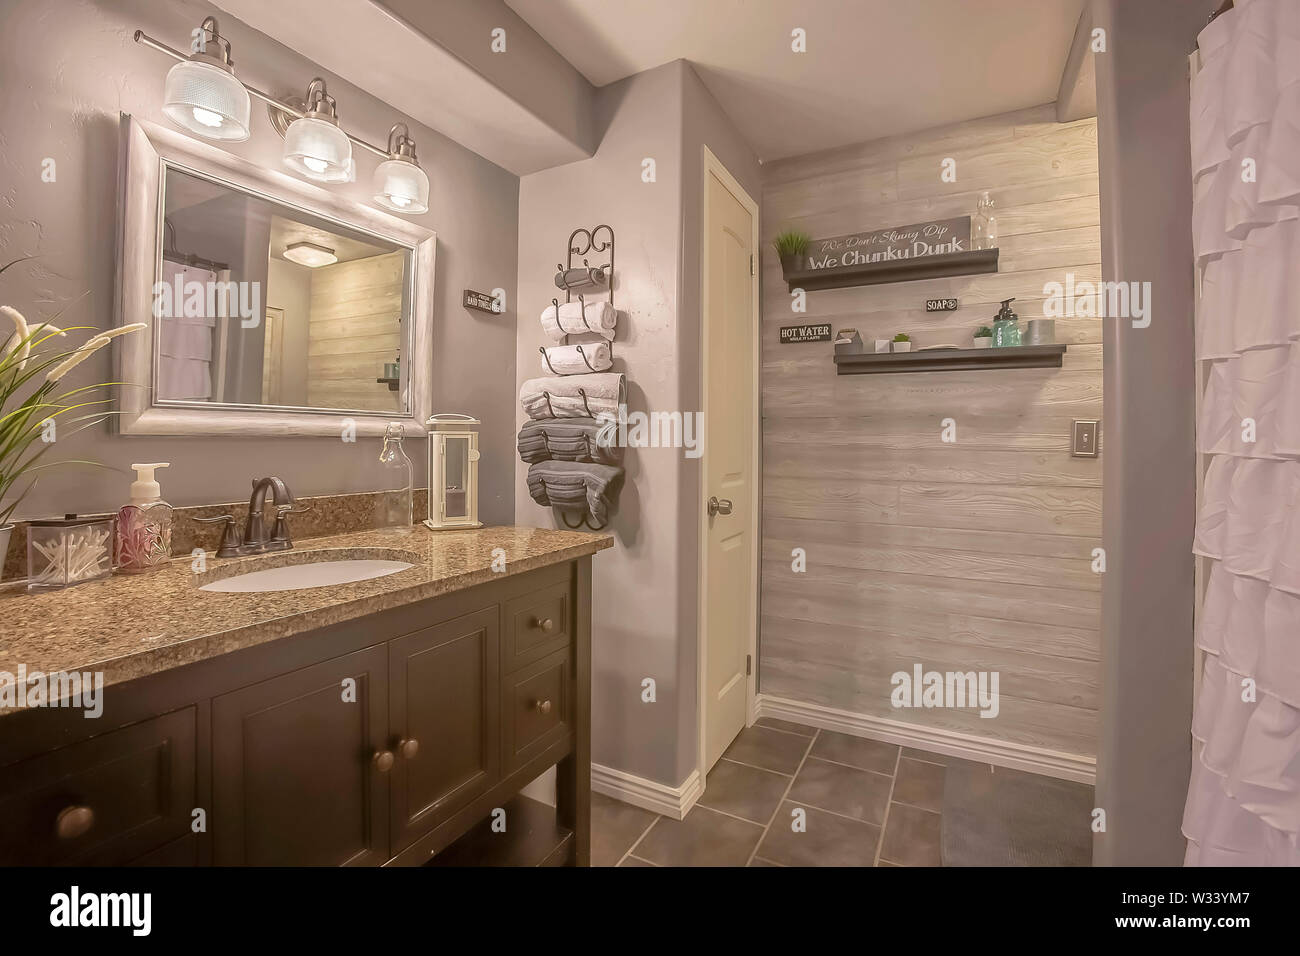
<point x="660" y="798"/>
<point x="1001" y="753"/>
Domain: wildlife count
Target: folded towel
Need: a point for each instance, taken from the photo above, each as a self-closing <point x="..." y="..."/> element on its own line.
<point x="573" y="396"/>
<point x="575" y="487"/>
<point x="186" y="340"/>
<point x="576" y="359"/>
<point x="599" y="317"/>
<point x="568" y="439"/>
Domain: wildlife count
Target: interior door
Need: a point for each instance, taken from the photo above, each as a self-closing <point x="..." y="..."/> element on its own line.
<point x="728" y="462"/>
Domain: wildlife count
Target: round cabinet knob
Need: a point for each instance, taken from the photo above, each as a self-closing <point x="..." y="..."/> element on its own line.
<point x="546" y="624"/>
<point x="544" y="706"/>
<point x="73" y="822"/>
<point x="383" y="761"/>
<point x="409" y="748"/>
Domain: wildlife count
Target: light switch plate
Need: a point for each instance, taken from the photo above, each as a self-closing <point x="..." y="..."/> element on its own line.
<point x="1086" y="439"/>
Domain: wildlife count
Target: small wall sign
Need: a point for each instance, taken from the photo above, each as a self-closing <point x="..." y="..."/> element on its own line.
<point x="792" y="334"/>
<point x="940" y="305"/>
<point x="936" y="238"/>
<point x="480" y="301"/>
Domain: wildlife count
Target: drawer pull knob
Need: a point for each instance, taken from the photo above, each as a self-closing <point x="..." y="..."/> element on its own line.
<point x="409" y="748"/>
<point x="544" y="706"/>
<point x="546" y="624"/>
<point x="73" y="822"/>
<point x="383" y="761"/>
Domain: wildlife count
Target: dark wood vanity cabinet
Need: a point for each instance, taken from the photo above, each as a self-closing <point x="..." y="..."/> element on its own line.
<point x="378" y="741"/>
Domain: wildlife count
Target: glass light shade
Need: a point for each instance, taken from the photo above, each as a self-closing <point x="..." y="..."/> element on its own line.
<point x="206" y="100"/>
<point x="319" y="150"/>
<point x="402" y="187"/>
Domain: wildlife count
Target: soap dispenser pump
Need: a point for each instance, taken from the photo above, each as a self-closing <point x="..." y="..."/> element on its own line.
<point x="143" y="537"/>
<point x="1005" y="330"/>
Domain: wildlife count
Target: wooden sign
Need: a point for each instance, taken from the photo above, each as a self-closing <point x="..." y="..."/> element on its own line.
<point x="936" y="238"/>
<point x="480" y="301"/>
<point x="793" y="334"/>
<point x="941" y="305"/>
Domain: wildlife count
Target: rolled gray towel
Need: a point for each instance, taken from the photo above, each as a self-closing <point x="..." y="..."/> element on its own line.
<point x="576" y="487"/>
<point x="567" y="439"/>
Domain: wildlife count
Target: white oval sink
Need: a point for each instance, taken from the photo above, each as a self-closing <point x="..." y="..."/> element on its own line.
<point x="314" y="575"/>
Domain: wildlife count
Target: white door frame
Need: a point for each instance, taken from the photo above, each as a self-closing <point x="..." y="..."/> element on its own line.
<point x="712" y="165"/>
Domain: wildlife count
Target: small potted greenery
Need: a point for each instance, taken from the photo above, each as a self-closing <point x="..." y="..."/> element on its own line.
<point x="32" y="400"/>
<point x="902" y="342"/>
<point x="792" y="247"/>
<point x="983" y="337"/>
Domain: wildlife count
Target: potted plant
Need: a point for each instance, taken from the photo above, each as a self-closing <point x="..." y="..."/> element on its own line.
<point x="983" y="337"/>
<point x="902" y="342"/>
<point x="32" y="398"/>
<point x="792" y="247"/>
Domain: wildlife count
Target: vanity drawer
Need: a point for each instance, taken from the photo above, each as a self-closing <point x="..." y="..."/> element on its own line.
<point x="538" y="709"/>
<point x="537" y="624"/>
<point x="105" y="800"/>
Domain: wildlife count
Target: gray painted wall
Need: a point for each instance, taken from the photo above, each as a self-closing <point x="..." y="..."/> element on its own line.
<point x="1144" y="751"/>
<point x="644" y="589"/>
<point x="66" y="69"/>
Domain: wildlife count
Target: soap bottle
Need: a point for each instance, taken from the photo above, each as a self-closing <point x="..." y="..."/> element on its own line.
<point x="142" y="539"/>
<point x="984" y="228"/>
<point x="1005" y="330"/>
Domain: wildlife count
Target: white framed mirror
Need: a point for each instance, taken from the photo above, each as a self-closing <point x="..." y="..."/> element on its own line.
<point x="275" y="306"/>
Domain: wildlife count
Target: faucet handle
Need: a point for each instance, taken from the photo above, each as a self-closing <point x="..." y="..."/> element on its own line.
<point x="230" y="540"/>
<point x="280" y="540"/>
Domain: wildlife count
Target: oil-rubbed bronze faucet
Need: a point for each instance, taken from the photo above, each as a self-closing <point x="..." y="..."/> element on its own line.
<point x="254" y="540"/>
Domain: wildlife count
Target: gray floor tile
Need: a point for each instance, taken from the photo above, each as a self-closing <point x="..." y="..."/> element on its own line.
<point x="860" y="794"/>
<point x="789" y="727"/>
<point x="769" y="749"/>
<point x="615" y="826"/>
<point x="919" y="784"/>
<point x="633" y="861"/>
<point x="759" y="861"/>
<point x="704" y="838"/>
<point x="829" y="840"/>
<point x="911" y="837"/>
<point x="744" y="791"/>
<point x="943" y="759"/>
<point x="860" y="752"/>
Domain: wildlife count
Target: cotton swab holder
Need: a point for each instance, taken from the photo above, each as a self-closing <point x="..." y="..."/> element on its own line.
<point x="65" y="551"/>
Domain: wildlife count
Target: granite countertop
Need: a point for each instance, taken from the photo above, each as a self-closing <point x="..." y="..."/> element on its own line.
<point x="134" y="625"/>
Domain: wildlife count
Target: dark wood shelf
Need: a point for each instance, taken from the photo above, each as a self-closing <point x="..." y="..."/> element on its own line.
<point x="978" y="262"/>
<point x="942" y="360"/>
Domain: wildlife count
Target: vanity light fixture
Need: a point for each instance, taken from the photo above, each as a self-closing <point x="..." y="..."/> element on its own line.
<point x="400" y="184"/>
<point x="314" y="145"/>
<point x="309" y="254"/>
<point x="201" y="93"/>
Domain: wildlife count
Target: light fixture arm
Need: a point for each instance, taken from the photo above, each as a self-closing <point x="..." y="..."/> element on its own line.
<point x="400" y="145"/>
<point x="142" y="37"/>
<point x="209" y="26"/>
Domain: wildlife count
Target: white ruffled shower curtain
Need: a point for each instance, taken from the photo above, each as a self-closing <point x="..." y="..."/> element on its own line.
<point x="1243" y="803"/>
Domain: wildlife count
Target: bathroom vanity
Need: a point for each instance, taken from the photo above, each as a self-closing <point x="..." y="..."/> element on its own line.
<point x="366" y="723"/>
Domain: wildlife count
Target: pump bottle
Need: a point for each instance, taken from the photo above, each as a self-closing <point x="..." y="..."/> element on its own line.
<point x="142" y="539"/>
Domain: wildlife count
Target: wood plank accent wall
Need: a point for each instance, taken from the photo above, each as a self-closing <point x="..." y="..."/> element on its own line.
<point x="968" y="556"/>
<point x="355" y="311"/>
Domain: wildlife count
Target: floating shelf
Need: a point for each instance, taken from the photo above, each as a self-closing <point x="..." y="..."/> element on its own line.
<point x="942" y="360"/>
<point x="978" y="262"/>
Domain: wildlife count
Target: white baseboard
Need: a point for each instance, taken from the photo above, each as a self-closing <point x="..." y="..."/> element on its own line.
<point x="660" y="798"/>
<point x="1000" y="753"/>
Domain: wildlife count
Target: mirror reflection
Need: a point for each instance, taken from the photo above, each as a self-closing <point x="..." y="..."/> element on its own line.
<point x="263" y="304"/>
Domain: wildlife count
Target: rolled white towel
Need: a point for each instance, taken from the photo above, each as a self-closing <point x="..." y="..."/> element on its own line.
<point x="573" y="396"/>
<point x="600" y="317"/>
<point x="569" y="359"/>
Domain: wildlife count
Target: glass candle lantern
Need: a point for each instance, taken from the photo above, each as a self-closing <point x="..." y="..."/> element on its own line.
<point x="453" y="472"/>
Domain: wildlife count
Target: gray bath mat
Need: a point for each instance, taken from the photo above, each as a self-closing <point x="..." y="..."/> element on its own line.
<point x="1010" y="818"/>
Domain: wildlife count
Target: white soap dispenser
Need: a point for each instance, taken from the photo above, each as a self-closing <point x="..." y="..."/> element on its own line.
<point x="143" y="537"/>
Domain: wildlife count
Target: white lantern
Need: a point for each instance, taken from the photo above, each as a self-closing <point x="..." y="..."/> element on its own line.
<point x="453" y="472"/>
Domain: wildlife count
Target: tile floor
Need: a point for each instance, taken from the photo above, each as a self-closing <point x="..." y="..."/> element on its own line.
<point x="866" y="803"/>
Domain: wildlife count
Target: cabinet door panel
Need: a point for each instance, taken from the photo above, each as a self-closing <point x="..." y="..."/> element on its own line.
<point x="444" y="689"/>
<point x="294" y="782"/>
<point x="538" y="709"/>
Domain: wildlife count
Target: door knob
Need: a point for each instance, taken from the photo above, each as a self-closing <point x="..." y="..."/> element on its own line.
<point x="544" y="706"/>
<point x="719" y="506"/>
<point x="73" y="822"/>
<point x="409" y="748"/>
<point x="383" y="761"/>
<point x="546" y="624"/>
